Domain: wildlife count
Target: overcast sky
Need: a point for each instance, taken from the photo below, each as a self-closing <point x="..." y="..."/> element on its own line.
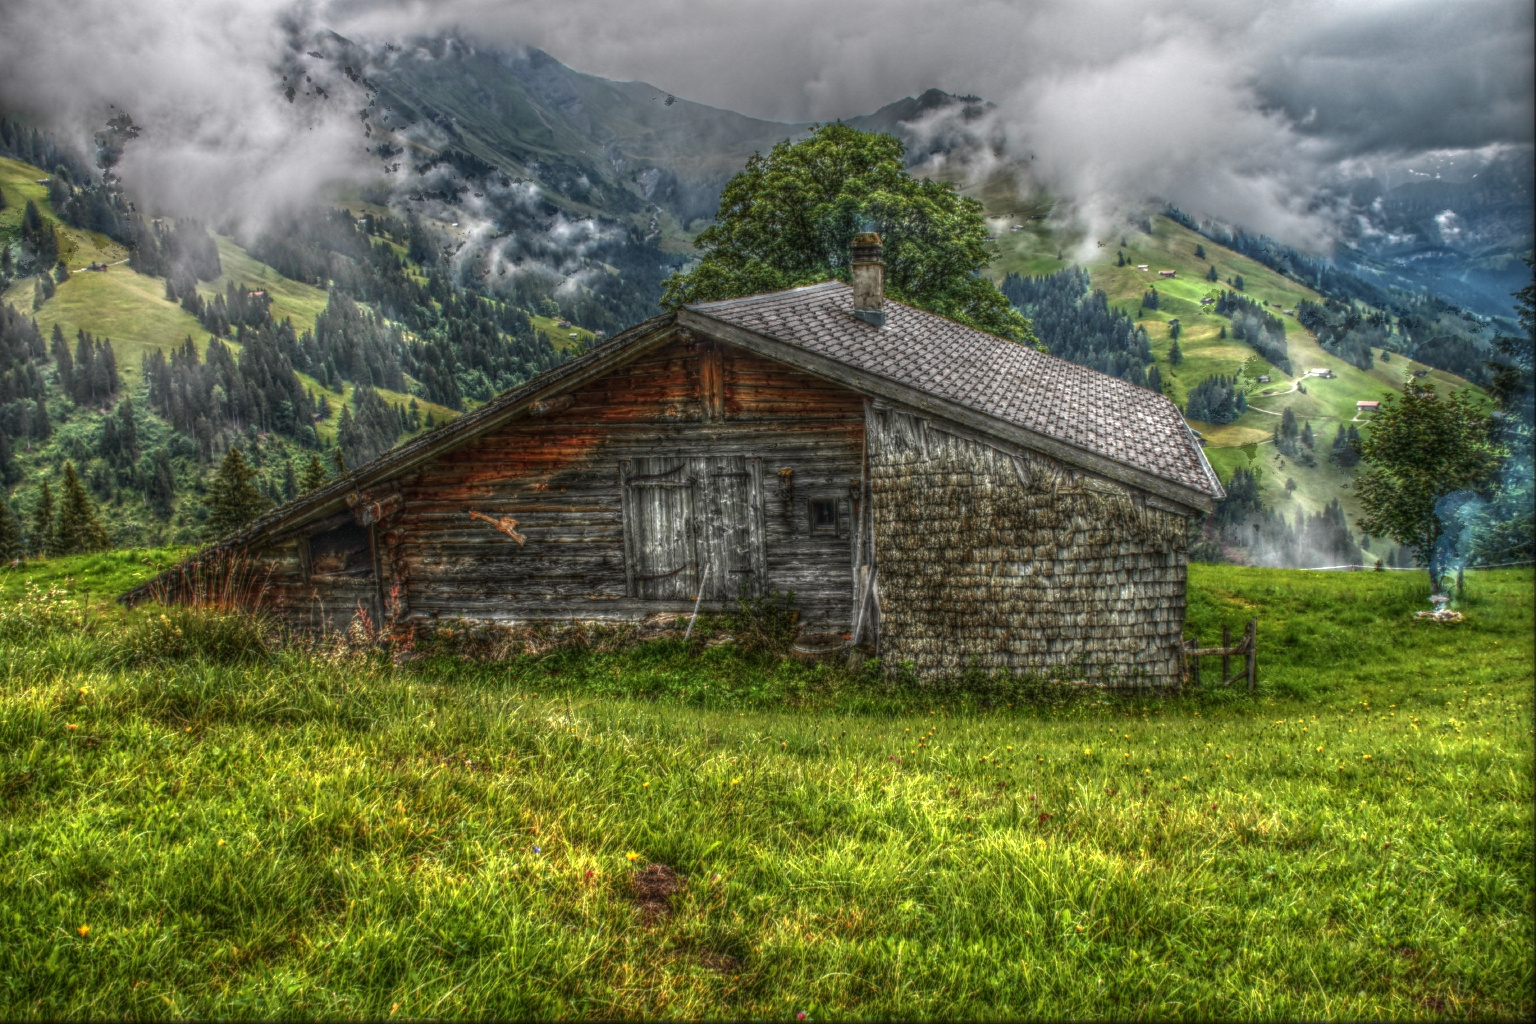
<point x="1240" y="110"/>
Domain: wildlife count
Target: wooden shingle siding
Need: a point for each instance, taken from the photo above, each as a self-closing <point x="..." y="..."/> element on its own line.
<point x="1009" y="561"/>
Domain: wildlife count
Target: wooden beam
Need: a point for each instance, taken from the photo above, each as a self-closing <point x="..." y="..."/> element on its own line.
<point x="711" y="382"/>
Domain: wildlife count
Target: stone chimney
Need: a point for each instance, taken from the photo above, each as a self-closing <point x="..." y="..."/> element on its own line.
<point x="868" y="278"/>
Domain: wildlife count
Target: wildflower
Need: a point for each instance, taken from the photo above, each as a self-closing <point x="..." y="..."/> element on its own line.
<point x="222" y="843"/>
<point x="1087" y="751"/>
<point x="645" y="785"/>
<point x="537" y="850"/>
<point x="1319" y="750"/>
<point x="801" y="1016"/>
<point x="1367" y="756"/>
<point x="1213" y="807"/>
<point x="590" y="873"/>
<point x="631" y="856"/>
<point x="71" y="727"/>
<point x="1079" y="927"/>
<point x="735" y="782"/>
<point x="84" y="930"/>
<point x="1044" y="817"/>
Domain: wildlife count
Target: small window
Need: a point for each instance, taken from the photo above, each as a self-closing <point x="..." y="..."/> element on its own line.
<point x="824" y="516"/>
<point x="342" y="551"/>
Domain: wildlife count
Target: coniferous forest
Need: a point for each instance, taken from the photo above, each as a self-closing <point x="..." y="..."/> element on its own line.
<point x="1075" y="322"/>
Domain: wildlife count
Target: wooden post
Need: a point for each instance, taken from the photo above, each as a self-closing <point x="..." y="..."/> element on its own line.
<point x="1253" y="651"/>
<point x="1226" y="658"/>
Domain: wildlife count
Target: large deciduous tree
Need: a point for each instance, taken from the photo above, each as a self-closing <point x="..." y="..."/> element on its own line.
<point x="1420" y="448"/>
<point x="788" y="219"/>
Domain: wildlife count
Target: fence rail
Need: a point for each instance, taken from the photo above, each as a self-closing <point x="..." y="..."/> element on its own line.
<point x="1246" y="648"/>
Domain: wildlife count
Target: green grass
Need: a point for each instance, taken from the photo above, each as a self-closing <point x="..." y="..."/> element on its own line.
<point x="328" y="834"/>
<point x="564" y="339"/>
<point x="291" y="300"/>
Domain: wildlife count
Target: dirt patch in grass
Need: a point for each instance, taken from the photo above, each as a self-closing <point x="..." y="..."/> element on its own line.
<point x="653" y="890"/>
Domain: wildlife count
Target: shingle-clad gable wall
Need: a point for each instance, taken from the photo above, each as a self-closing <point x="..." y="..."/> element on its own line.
<point x="1012" y="562"/>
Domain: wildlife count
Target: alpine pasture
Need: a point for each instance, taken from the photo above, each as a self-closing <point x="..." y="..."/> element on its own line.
<point x="200" y="823"/>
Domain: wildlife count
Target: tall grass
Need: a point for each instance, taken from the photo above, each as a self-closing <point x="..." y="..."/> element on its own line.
<point x="323" y="832"/>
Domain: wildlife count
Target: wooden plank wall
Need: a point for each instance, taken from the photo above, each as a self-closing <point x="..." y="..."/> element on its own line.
<point x="559" y="477"/>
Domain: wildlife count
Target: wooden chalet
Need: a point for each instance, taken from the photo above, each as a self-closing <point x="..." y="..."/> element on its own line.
<point x="948" y="497"/>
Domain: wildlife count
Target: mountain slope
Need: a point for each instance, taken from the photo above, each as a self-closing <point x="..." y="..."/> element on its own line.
<point x="1327" y="404"/>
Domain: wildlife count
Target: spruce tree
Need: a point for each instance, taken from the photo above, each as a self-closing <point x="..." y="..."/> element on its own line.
<point x="11" y="549"/>
<point x="233" y="499"/>
<point x="77" y="530"/>
<point x="162" y="485"/>
<point x="314" y="475"/>
<point x="290" y="481"/>
<point x="1175" y="354"/>
<point x="339" y="459"/>
<point x="40" y="536"/>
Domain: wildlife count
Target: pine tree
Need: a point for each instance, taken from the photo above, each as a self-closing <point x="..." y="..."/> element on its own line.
<point x="1211" y="275"/>
<point x="40" y="536"/>
<point x="314" y="475"/>
<point x="1199" y="251"/>
<point x="290" y="481"/>
<point x="1306" y="433"/>
<point x="1155" y="379"/>
<point x="233" y="499"/>
<point x="11" y="549"/>
<point x="1120" y="258"/>
<point x="77" y="531"/>
<point x="1175" y="354"/>
<point x="339" y="459"/>
<point x="162" y="485"/>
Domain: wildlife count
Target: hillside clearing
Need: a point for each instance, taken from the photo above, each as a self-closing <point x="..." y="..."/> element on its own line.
<point x="331" y="835"/>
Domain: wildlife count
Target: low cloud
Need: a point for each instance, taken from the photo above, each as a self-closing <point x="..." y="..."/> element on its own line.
<point x="1248" y="113"/>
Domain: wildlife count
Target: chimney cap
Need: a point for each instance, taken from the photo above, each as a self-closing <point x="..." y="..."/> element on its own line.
<point x="866" y="248"/>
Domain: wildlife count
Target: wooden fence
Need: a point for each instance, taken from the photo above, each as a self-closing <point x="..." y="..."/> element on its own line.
<point x="1246" y="648"/>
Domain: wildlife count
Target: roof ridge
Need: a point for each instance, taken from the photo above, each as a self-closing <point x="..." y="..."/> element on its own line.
<point x="726" y="303"/>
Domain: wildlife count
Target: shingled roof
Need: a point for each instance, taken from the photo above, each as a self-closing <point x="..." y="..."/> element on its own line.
<point x="1045" y="395"/>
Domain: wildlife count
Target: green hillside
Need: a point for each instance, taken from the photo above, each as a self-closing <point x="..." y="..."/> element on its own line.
<point x="131" y="310"/>
<point x="1326" y="403"/>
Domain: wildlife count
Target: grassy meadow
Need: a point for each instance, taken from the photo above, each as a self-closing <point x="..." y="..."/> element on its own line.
<point x="196" y="825"/>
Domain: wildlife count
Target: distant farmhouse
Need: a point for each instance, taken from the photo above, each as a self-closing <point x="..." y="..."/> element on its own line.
<point x="1167" y="273"/>
<point x="944" y="496"/>
<point x="1367" y="406"/>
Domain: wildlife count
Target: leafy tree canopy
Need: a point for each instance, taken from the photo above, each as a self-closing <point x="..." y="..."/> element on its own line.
<point x="789" y="218"/>
<point x="1420" y="448"/>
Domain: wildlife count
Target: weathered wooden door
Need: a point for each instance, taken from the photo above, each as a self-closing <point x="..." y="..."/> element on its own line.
<point x="732" y="534"/>
<point x="661" y="528"/>
<point x="692" y="522"/>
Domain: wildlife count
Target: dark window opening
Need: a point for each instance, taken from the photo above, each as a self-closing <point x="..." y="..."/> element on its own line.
<point x="824" y="516"/>
<point x="342" y="551"/>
